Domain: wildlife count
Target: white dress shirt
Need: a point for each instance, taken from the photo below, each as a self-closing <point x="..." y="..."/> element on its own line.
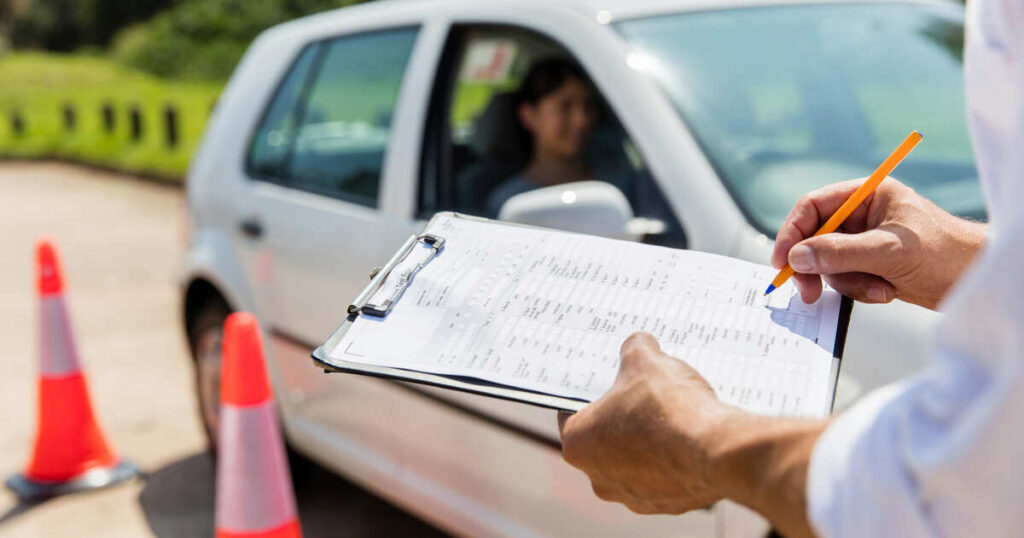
<point x="942" y="453"/>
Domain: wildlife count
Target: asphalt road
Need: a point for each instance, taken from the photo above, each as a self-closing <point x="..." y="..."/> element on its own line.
<point x="120" y="241"/>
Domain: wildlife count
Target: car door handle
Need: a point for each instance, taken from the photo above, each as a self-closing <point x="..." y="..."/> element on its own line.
<point x="251" y="227"/>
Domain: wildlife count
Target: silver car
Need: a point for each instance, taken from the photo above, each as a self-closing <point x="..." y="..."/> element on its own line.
<point x="339" y="134"/>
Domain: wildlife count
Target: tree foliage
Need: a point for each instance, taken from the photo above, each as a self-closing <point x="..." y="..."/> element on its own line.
<point x="192" y="39"/>
<point x="65" y="25"/>
<point x="204" y="39"/>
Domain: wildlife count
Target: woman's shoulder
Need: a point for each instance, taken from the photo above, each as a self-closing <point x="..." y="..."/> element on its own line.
<point x="515" y="184"/>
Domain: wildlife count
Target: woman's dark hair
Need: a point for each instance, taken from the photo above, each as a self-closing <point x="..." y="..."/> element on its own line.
<point x="546" y="77"/>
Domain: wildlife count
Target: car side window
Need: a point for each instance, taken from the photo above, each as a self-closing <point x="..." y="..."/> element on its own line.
<point x="327" y="129"/>
<point x="271" y="144"/>
<point x="476" y="147"/>
<point x="346" y="118"/>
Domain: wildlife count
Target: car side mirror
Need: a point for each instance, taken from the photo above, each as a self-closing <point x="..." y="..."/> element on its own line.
<point x="590" y="207"/>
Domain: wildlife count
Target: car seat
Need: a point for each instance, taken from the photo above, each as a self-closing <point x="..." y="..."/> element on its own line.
<point x="498" y="145"/>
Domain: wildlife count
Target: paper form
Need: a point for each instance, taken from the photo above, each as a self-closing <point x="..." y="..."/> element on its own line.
<point x="547" y="311"/>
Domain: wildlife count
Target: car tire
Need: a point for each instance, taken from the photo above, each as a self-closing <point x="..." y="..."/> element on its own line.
<point x="206" y="331"/>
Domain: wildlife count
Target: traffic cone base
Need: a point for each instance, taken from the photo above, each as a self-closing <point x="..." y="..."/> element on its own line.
<point x="288" y="530"/>
<point x="31" y="490"/>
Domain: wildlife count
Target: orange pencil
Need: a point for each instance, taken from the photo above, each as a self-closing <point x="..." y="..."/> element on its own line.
<point x="855" y="199"/>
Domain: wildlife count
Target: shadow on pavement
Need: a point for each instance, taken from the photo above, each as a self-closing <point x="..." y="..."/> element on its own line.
<point x="177" y="498"/>
<point x="17" y="510"/>
<point x="177" y="501"/>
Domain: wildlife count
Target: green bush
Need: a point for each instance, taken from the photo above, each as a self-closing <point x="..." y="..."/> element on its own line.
<point x="67" y="25"/>
<point x="204" y="39"/>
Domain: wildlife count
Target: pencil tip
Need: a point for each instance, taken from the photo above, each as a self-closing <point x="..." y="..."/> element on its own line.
<point x="771" y="288"/>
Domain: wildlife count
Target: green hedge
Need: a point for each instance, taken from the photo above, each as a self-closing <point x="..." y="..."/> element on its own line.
<point x="39" y="86"/>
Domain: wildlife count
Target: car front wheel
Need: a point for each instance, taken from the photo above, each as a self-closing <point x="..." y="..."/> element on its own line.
<point x="206" y="331"/>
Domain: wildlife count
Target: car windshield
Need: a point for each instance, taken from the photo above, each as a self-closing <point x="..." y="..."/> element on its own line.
<point x="785" y="99"/>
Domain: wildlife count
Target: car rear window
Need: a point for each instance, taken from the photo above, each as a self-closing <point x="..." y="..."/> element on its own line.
<point x="327" y="129"/>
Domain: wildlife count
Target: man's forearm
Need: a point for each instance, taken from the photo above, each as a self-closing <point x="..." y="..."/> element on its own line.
<point x="970" y="241"/>
<point x="762" y="463"/>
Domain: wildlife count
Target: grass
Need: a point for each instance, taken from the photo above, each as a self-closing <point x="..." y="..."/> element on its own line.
<point x="39" y="86"/>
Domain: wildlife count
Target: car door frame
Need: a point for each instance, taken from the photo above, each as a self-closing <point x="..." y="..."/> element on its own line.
<point x="436" y="161"/>
<point x="652" y="122"/>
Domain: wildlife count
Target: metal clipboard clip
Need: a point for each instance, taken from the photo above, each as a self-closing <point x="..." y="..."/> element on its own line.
<point x="379" y="277"/>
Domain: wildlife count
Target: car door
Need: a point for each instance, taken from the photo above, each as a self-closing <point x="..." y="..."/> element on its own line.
<point x="314" y="227"/>
<point x="528" y="482"/>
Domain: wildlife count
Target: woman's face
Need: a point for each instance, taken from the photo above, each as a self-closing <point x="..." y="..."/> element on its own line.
<point x="561" y="121"/>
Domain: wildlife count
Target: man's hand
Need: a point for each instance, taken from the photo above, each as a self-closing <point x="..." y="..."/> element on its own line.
<point x="897" y="244"/>
<point x="659" y="441"/>
<point x="640" y="443"/>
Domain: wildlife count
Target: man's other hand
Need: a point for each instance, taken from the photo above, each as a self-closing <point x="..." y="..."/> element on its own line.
<point x="897" y="244"/>
<point x="640" y="443"/>
<point x="660" y="441"/>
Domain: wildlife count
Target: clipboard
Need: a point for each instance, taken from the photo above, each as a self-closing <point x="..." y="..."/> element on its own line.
<point x="365" y="305"/>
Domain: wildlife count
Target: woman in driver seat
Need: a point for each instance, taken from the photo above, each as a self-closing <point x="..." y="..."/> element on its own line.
<point x="557" y="111"/>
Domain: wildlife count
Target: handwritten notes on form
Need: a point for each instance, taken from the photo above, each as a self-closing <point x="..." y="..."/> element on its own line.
<point x="547" y="311"/>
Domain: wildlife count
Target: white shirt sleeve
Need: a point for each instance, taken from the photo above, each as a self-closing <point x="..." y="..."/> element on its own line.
<point x="942" y="453"/>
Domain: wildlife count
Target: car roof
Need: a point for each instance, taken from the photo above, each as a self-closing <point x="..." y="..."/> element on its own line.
<point x="614" y="10"/>
<point x="627" y="9"/>
<point x="600" y="11"/>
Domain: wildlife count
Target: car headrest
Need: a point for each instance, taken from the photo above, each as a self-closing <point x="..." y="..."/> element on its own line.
<point x="497" y="135"/>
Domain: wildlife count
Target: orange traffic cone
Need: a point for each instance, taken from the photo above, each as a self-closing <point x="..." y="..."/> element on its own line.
<point x="71" y="453"/>
<point x="254" y="487"/>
